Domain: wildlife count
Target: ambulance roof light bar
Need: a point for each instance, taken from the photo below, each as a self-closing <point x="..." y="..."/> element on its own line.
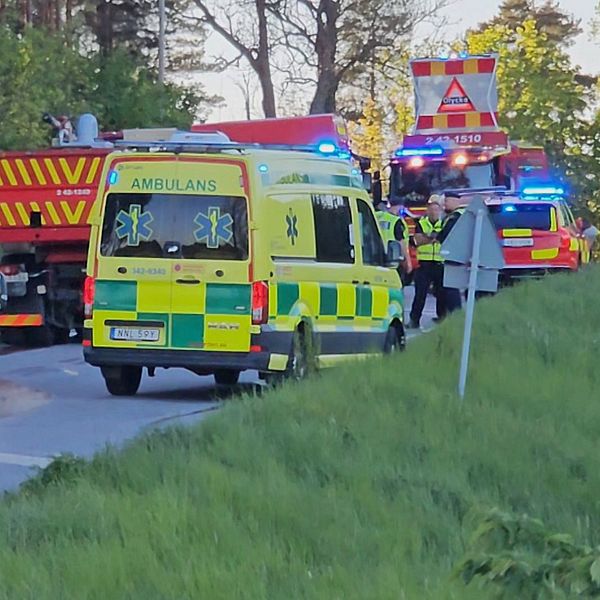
<point x="426" y="151"/>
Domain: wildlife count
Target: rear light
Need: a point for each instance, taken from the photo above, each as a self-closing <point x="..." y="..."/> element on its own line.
<point x="89" y="289"/>
<point x="565" y="240"/>
<point x="260" y="302"/>
<point x="10" y="269"/>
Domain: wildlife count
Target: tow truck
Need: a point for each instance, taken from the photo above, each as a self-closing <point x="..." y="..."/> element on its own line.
<point x="45" y="201"/>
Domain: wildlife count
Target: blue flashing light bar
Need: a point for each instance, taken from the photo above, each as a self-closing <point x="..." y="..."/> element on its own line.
<point x="327" y="148"/>
<point x="426" y="151"/>
<point x="113" y="177"/>
<point x="543" y="190"/>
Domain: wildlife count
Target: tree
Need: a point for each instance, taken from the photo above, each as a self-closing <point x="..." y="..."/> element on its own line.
<point x="244" y="26"/>
<point x="339" y="40"/>
<point x="559" y="27"/>
<point x="368" y="136"/>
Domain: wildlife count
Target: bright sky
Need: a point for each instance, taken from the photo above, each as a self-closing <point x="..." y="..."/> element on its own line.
<point x="584" y="52"/>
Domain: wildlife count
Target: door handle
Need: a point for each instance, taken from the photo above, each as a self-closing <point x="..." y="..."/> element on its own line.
<point x="366" y="283"/>
<point x="355" y="281"/>
<point x="188" y="281"/>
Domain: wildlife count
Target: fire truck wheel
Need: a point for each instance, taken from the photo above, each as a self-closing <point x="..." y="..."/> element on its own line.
<point x="39" y="336"/>
<point x="122" y="381"/>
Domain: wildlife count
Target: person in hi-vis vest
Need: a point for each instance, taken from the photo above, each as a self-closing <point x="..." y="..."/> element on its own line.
<point x="431" y="265"/>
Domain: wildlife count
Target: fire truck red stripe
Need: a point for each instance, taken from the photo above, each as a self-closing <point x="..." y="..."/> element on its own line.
<point x="455" y="67"/>
<point x="425" y="122"/>
<point x="459" y="120"/>
<point x="487" y="120"/>
<point x="421" y="68"/>
<point x="486" y="65"/>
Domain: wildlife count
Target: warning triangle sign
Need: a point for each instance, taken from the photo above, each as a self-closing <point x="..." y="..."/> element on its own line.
<point x="455" y="99"/>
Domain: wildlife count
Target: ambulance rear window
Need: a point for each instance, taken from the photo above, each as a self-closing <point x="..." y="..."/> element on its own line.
<point x="175" y="226"/>
<point x="521" y="216"/>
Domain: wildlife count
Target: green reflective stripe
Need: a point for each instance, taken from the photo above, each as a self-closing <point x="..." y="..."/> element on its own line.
<point x="187" y="331"/>
<point x="396" y="295"/>
<point x="287" y="296"/>
<point x="228" y="299"/>
<point x="328" y="299"/>
<point x="115" y="295"/>
<point x="364" y="301"/>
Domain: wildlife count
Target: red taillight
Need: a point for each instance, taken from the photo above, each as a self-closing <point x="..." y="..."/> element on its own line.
<point x="260" y="302"/>
<point x="89" y="289"/>
<point x="10" y="269"/>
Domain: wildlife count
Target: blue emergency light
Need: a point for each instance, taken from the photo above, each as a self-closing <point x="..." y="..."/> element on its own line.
<point x="263" y="168"/>
<point x="426" y="151"/>
<point x="113" y="177"/>
<point x="327" y="148"/>
<point x="509" y="208"/>
<point x="543" y="190"/>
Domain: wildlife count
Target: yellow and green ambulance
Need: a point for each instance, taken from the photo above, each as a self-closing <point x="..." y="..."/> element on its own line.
<point x="219" y="258"/>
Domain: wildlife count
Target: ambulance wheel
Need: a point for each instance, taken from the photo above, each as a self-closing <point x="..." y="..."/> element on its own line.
<point x="302" y="362"/>
<point x="395" y="340"/>
<point x="122" y="381"/>
<point x="226" y="376"/>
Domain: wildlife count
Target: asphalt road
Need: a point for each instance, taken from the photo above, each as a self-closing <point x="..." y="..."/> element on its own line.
<point x="51" y="402"/>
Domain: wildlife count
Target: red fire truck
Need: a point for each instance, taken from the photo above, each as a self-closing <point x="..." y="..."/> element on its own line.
<point x="45" y="202"/>
<point x="457" y="143"/>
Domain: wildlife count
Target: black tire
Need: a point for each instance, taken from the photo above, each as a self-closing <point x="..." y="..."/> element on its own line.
<point x="122" y="381"/>
<point x="226" y="376"/>
<point x="302" y="361"/>
<point x="395" y="340"/>
<point x="39" y="337"/>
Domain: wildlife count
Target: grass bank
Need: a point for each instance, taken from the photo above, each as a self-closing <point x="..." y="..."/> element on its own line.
<point x="362" y="483"/>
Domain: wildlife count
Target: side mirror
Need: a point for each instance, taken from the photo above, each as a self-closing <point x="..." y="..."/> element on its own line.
<point x="393" y="254"/>
<point x="367" y="181"/>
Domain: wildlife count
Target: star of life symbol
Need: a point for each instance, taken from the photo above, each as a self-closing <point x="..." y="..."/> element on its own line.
<point x="214" y="228"/>
<point x="134" y="225"/>
<point x="292" y="226"/>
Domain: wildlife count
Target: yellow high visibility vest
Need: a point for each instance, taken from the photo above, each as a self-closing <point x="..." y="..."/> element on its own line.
<point x="387" y="223"/>
<point x="430" y="252"/>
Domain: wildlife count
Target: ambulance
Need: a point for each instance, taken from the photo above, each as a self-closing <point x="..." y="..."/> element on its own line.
<point x="219" y="256"/>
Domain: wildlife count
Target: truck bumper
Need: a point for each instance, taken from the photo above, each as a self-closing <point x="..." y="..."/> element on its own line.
<point x="21" y="320"/>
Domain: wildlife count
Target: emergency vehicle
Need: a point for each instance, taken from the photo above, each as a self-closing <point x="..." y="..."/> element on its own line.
<point x="45" y="201"/>
<point x="538" y="232"/>
<point x="220" y="256"/>
<point x="457" y="143"/>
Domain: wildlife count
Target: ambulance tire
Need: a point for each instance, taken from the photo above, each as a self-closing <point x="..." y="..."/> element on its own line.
<point x="302" y="362"/>
<point x="122" y="381"/>
<point x="226" y="376"/>
<point x="395" y="340"/>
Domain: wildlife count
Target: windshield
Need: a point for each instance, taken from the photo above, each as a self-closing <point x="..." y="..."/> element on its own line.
<point x="415" y="185"/>
<point x="521" y="216"/>
<point x="175" y="226"/>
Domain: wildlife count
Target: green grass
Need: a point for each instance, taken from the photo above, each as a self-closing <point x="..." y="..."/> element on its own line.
<point x="362" y="483"/>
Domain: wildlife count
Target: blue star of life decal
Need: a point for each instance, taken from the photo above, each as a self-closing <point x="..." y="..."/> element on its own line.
<point x="214" y="228"/>
<point x="134" y="225"/>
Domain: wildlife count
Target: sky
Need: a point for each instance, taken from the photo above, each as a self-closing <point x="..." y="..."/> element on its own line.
<point x="584" y="52"/>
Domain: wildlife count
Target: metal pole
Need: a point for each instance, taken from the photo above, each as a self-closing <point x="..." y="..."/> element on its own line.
<point x="466" y="347"/>
<point x="162" y="18"/>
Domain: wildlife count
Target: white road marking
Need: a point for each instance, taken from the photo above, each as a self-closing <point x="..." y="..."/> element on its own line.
<point x="70" y="372"/>
<point x="22" y="460"/>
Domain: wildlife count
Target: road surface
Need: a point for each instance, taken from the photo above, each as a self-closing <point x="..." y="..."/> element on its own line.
<point x="51" y="402"/>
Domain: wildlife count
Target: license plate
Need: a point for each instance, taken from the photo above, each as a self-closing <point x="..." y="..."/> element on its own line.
<point x="134" y="334"/>
<point x="18" y="278"/>
<point x="517" y="243"/>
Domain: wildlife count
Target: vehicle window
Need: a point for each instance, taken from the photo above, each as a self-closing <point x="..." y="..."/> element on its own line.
<point x="521" y="216"/>
<point x="415" y="185"/>
<point x="148" y="225"/>
<point x="371" y="242"/>
<point x="333" y="222"/>
<point x="567" y="215"/>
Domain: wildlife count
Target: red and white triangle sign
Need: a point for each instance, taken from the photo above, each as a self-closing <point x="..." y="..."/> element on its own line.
<point x="455" y="99"/>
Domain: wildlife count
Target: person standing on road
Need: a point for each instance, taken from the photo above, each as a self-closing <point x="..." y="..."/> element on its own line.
<point x="394" y="227"/>
<point x="431" y="268"/>
<point x="454" y="209"/>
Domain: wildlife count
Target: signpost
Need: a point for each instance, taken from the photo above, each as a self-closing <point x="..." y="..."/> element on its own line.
<point x="473" y="256"/>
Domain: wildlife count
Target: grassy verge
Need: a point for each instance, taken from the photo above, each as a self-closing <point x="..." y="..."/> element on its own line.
<point x="361" y="483"/>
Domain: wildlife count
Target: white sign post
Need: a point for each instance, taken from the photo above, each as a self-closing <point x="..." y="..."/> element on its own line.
<point x="473" y="257"/>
